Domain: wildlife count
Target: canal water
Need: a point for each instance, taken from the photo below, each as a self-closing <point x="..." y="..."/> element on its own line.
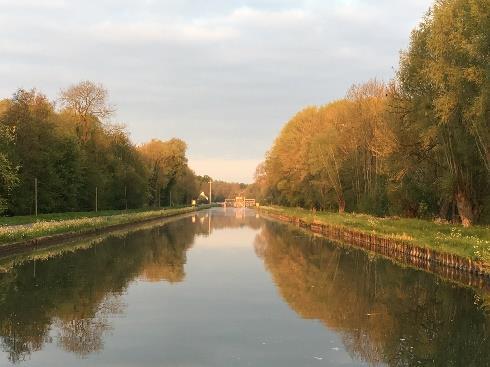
<point x="225" y="287"/>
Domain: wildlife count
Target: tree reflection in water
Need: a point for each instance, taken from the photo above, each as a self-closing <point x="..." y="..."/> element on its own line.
<point x="75" y="294"/>
<point x="83" y="333"/>
<point x="386" y="314"/>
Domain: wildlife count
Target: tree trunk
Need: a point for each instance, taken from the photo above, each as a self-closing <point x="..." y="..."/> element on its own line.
<point x="444" y="209"/>
<point x="341" y="203"/>
<point x="465" y="208"/>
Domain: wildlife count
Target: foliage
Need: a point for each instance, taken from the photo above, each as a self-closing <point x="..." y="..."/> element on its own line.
<point x="87" y="101"/>
<point x="166" y="162"/>
<point x="73" y="153"/>
<point x="8" y="173"/>
<point x="338" y="154"/>
<point x="417" y="147"/>
<point x="442" y="95"/>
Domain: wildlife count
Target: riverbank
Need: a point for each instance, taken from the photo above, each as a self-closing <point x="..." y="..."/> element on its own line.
<point x="29" y="219"/>
<point x="49" y="230"/>
<point x="442" y="243"/>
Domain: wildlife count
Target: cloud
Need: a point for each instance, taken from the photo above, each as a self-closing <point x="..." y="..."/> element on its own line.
<point x="213" y="29"/>
<point x="32" y="4"/>
<point x="155" y="32"/>
<point x="219" y="74"/>
<point x="266" y="18"/>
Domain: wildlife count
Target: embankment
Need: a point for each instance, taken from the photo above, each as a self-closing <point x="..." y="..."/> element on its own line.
<point x="465" y="269"/>
<point x="20" y="238"/>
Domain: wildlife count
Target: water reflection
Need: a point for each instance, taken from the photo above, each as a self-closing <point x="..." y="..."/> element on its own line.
<point x="385" y="314"/>
<point x="75" y="293"/>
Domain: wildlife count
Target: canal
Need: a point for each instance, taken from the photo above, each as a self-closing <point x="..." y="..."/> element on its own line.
<point x="228" y="288"/>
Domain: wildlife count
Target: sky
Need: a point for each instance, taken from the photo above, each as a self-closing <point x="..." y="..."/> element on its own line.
<point x="223" y="75"/>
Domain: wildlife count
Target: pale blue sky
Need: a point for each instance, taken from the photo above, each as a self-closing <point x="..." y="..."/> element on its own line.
<point x="224" y="75"/>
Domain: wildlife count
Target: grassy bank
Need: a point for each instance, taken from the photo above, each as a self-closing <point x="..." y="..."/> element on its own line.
<point x="25" y="228"/>
<point x="28" y="219"/>
<point x="58" y="249"/>
<point x="472" y="243"/>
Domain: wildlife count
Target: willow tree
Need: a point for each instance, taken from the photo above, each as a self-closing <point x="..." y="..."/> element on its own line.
<point x="444" y="78"/>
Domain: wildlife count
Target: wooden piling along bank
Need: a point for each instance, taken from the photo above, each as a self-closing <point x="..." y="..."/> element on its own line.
<point x="457" y="268"/>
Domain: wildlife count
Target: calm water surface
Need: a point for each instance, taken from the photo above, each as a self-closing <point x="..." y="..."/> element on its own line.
<point x="227" y="288"/>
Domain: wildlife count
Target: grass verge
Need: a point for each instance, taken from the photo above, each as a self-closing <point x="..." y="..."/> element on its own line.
<point x="472" y="243"/>
<point x="29" y="219"/>
<point x="79" y="223"/>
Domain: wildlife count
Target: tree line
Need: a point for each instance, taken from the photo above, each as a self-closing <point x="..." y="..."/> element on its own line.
<point x="418" y="146"/>
<point x="222" y="190"/>
<point x="72" y="152"/>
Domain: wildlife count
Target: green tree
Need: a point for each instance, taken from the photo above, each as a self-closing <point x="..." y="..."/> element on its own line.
<point x="41" y="152"/>
<point x="165" y="161"/>
<point x="8" y="172"/>
<point x="443" y="95"/>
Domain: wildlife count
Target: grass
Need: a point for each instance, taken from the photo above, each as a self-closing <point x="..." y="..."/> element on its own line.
<point x="25" y="228"/>
<point x="28" y="219"/>
<point x="473" y="242"/>
<point x="58" y="249"/>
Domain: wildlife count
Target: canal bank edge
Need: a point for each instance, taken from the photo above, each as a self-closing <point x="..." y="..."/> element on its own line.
<point x="32" y="243"/>
<point x="399" y="250"/>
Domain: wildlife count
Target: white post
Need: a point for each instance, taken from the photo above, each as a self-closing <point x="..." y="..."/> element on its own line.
<point x="210" y="191"/>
